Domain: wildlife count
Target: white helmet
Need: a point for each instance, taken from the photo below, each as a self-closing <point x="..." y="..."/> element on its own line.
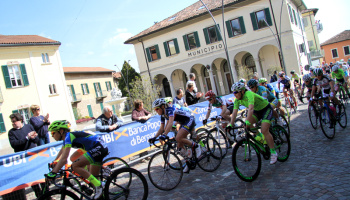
<point x="335" y="68"/>
<point x="306" y="77"/>
<point x="238" y="86"/>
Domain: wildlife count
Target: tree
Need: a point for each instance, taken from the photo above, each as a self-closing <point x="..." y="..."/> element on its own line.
<point x="130" y="76"/>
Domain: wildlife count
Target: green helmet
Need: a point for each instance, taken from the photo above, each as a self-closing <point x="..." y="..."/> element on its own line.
<point x="318" y="71"/>
<point x="59" y="124"/>
<point x="262" y="80"/>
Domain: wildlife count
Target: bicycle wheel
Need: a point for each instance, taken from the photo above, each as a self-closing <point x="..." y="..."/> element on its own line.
<point x="313" y="116"/>
<point x="126" y="183"/>
<point x="211" y="156"/>
<point x="111" y="164"/>
<point x="282" y="142"/>
<point x="344" y="96"/>
<point x="342" y="118"/>
<point x="220" y="137"/>
<point x="327" y="124"/>
<point x="59" y="194"/>
<point x="246" y="160"/>
<point x="165" y="172"/>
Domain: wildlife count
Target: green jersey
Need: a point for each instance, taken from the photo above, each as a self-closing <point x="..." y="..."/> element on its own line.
<point x="250" y="98"/>
<point x="339" y="75"/>
<point x="295" y="77"/>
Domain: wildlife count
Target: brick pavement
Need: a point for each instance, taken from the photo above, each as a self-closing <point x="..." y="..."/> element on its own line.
<point x="318" y="168"/>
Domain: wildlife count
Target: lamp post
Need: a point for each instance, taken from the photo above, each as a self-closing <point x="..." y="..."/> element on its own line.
<point x="126" y="82"/>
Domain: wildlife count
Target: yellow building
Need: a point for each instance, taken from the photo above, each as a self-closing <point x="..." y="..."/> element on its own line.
<point x="89" y="88"/>
<point x="31" y="74"/>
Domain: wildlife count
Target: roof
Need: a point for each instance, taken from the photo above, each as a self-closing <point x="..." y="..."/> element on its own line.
<point x="72" y="70"/>
<point x="116" y="75"/>
<point x="193" y="11"/>
<point x="345" y="35"/>
<point x="26" y="40"/>
<point x="314" y="10"/>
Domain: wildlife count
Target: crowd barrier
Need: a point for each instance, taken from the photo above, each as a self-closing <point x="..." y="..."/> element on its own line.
<point x="26" y="168"/>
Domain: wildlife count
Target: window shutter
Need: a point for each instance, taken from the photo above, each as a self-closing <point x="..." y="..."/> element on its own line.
<point x="229" y="28"/>
<point x="87" y="88"/>
<point x="148" y="55"/>
<point x="218" y="32"/>
<point x="15" y="111"/>
<point x="206" y="35"/>
<point x="107" y="85"/>
<point x="255" y="24"/>
<point x="268" y="16"/>
<point x="110" y="85"/>
<point x="82" y="88"/>
<point x="72" y="89"/>
<point x="166" y="49"/>
<point x="295" y="17"/>
<point x="176" y="46"/>
<point x="241" y="23"/>
<point x="290" y="14"/>
<point x="157" y="49"/>
<point x="187" y="47"/>
<point x="299" y="20"/>
<point x="24" y="74"/>
<point x="99" y="86"/>
<point x="2" y="124"/>
<point x="6" y="74"/>
<point x="198" y="44"/>
<point x="95" y="89"/>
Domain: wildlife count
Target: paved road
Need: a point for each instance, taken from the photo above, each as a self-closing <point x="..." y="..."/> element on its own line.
<point x="318" y="168"/>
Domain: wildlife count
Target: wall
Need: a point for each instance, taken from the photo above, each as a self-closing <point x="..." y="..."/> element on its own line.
<point x="339" y="46"/>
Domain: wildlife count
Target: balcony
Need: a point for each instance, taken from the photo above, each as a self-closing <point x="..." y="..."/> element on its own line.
<point x="319" y="27"/>
<point x="101" y="94"/>
<point x="316" y="54"/>
<point x="75" y="97"/>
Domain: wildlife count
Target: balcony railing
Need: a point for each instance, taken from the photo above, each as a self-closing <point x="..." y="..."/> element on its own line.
<point x="316" y="54"/>
<point x="75" y="97"/>
<point x="101" y="94"/>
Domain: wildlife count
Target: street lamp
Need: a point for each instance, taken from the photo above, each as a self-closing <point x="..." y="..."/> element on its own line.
<point x="126" y="82"/>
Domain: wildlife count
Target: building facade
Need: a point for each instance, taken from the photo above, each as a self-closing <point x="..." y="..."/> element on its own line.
<point x="89" y="88"/>
<point x="337" y="47"/>
<point x="190" y="42"/>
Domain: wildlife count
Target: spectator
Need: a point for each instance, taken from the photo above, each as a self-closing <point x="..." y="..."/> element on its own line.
<point x="193" y="81"/>
<point x="23" y="137"/>
<point x="108" y="121"/>
<point x="274" y="77"/>
<point x="191" y="96"/>
<point x="139" y="113"/>
<point x="256" y="76"/>
<point x="40" y="124"/>
<point x="179" y="99"/>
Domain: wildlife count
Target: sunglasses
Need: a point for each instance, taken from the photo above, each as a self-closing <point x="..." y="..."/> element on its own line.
<point x="210" y="99"/>
<point x="53" y="133"/>
<point x="235" y="92"/>
<point x="36" y="109"/>
<point x="157" y="108"/>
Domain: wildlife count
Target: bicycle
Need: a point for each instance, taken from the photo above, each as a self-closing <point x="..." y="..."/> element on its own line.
<point x="314" y="110"/>
<point x="343" y="96"/>
<point x="290" y="105"/>
<point x="284" y="120"/>
<point x="165" y="169"/>
<point x="246" y="153"/>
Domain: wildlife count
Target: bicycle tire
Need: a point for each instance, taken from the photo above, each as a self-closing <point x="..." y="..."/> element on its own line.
<point x="61" y="194"/>
<point x="222" y="140"/>
<point x="126" y="183"/>
<point x="286" y="113"/>
<point x="326" y="122"/>
<point x="285" y="124"/>
<point x="342" y="115"/>
<point x="171" y="171"/>
<point x="211" y="157"/>
<point x="344" y="97"/>
<point x="240" y="161"/>
<point x="282" y="142"/>
<point x="313" y="116"/>
<point x="112" y="164"/>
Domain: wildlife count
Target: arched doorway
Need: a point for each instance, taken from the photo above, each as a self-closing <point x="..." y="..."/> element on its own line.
<point x="166" y="86"/>
<point x="208" y="81"/>
<point x="227" y="76"/>
<point x="250" y="63"/>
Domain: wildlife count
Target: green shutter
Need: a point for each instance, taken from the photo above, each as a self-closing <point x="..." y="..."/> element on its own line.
<point x="176" y="46"/>
<point x="198" y="44"/>
<point x="15" y="111"/>
<point x="87" y="88"/>
<point x="82" y="88"/>
<point x="187" y="47"/>
<point x="218" y="32"/>
<point x="107" y="85"/>
<point x="110" y="85"/>
<point x="295" y="18"/>
<point x="241" y="23"/>
<point x="229" y="28"/>
<point x="268" y="16"/>
<point x="113" y="109"/>
<point x="255" y="24"/>
<point x="2" y="124"/>
<point x="299" y="22"/>
<point x="99" y="86"/>
<point x="101" y="105"/>
<point x="166" y="49"/>
<point x="90" y="110"/>
<point x="290" y="14"/>
<point x="73" y="92"/>
<point x="6" y="74"/>
<point x="206" y="35"/>
<point x="24" y="74"/>
<point x="95" y="89"/>
<point x="157" y="50"/>
<point x="148" y="55"/>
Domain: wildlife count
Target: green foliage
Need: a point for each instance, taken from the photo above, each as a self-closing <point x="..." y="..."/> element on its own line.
<point x="244" y="72"/>
<point x="130" y="75"/>
<point x="272" y="69"/>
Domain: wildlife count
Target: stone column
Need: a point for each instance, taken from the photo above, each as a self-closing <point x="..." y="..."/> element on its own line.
<point x="211" y="76"/>
<point x="173" y="92"/>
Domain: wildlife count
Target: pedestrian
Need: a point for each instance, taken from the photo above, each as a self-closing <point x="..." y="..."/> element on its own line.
<point x="139" y="114"/>
<point x="191" y="96"/>
<point x="40" y="124"/>
<point x="274" y="77"/>
<point x="108" y="121"/>
<point x="179" y="99"/>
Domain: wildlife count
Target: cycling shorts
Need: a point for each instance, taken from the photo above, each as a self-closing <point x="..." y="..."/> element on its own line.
<point x="265" y="115"/>
<point x="296" y="81"/>
<point x="286" y="87"/>
<point x="189" y="124"/>
<point x="230" y="108"/>
<point x="340" y="80"/>
<point x="274" y="103"/>
<point x="97" y="153"/>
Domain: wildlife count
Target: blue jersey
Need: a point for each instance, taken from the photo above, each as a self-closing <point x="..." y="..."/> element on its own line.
<point x="180" y="114"/>
<point x="81" y="140"/>
<point x="285" y="82"/>
<point x="178" y="101"/>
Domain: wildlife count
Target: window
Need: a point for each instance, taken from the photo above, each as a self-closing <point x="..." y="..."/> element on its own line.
<point x="52" y="88"/>
<point x="2" y="124"/>
<point x="311" y="43"/>
<point x="85" y="88"/>
<point x="295" y="17"/>
<point x="212" y="34"/>
<point x="98" y="90"/>
<point x="346" y="50"/>
<point x="171" y="47"/>
<point x="25" y="114"/>
<point x="305" y="22"/>
<point x="301" y="48"/>
<point x="15" y="76"/>
<point x="334" y="53"/>
<point x="261" y="19"/>
<point x="71" y="93"/>
<point x="153" y="53"/>
<point x="235" y="27"/>
<point x="290" y="14"/>
<point x="108" y="86"/>
<point x="191" y="41"/>
<point x="45" y="57"/>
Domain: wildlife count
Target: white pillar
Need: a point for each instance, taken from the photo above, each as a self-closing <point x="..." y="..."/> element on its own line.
<point x="211" y="76"/>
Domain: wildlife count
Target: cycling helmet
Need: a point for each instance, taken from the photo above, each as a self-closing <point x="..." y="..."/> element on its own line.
<point x="59" y="124"/>
<point x="242" y="80"/>
<point x="252" y="83"/>
<point x="306" y="77"/>
<point x="281" y="73"/>
<point x="262" y="80"/>
<point x="318" y="71"/>
<point x="331" y="63"/>
<point x="335" y="68"/>
<point x="238" y="86"/>
<point x="210" y="94"/>
<point x="311" y="68"/>
<point x="292" y="72"/>
<point x="162" y="101"/>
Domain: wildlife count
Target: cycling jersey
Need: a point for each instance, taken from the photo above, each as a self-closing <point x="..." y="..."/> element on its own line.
<point x="250" y="98"/>
<point x="295" y="76"/>
<point x="308" y="86"/>
<point x="323" y="83"/>
<point x="270" y="88"/>
<point x="181" y="101"/>
<point x="339" y="74"/>
<point x="285" y="81"/>
<point x="180" y="115"/>
<point x="221" y="101"/>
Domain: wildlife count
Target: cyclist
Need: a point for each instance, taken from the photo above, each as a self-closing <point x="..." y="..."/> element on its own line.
<point x="172" y="113"/>
<point x="308" y="81"/>
<point x="94" y="146"/>
<point x="296" y="81"/>
<point x="285" y="80"/>
<point x="275" y="103"/>
<point x="226" y="105"/>
<point x="258" y="109"/>
<point x="339" y="75"/>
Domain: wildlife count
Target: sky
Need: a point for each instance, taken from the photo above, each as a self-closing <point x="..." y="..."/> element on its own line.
<point x="92" y="33"/>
